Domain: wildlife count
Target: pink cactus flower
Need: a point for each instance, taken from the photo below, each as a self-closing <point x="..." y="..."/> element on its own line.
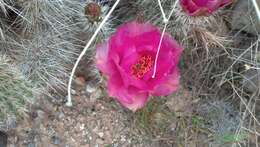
<point x="203" y="7"/>
<point x="127" y="59"/>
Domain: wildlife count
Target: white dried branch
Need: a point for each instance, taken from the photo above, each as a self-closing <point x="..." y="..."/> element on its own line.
<point x="166" y="21"/>
<point x="69" y="102"/>
<point x="256" y="9"/>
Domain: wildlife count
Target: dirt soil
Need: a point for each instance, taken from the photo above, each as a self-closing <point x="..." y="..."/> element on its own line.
<point x="94" y="121"/>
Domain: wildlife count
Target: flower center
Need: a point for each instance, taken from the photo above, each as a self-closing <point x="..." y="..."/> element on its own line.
<point x="142" y="66"/>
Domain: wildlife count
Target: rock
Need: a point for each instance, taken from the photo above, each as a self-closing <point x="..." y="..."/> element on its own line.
<point x="55" y="140"/>
<point x="181" y="102"/>
<point x="31" y="144"/>
<point x="8" y="124"/>
<point x="61" y="115"/>
<point x="101" y="134"/>
<point x="96" y="94"/>
<point x="73" y="92"/>
<point x="244" y="17"/>
<point x="40" y="116"/>
<point x="251" y="80"/>
<point x="99" y="141"/>
<point x="123" y="138"/>
<point x="90" y="88"/>
<point x="80" y="80"/>
<point x="11" y="123"/>
<point x="3" y="139"/>
<point x="34" y="114"/>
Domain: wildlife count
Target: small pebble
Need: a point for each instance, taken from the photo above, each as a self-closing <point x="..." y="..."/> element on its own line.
<point x="61" y="115"/>
<point x="11" y="123"/>
<point x="100" y="141"/>
<point x="96" y="94"/>
<point x="123" y="138"/>
<point x="101" y="134"/>
<point x="34" y="114"/>
<point x="82" y="127"/>
<point x="90" y="88"/>
<point x="73" y="91"/>
<point x="3" y="139"/>
<point x="81" y="81"/>
<point x="31" y="144"/>
<point x="55" y="140"/>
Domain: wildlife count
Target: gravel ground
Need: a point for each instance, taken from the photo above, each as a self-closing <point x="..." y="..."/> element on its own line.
<point x="91" y="122"/>
<point x="94" y="121"/>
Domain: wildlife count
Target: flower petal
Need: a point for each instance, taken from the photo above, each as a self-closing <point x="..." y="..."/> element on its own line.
<point x="117" y="89"/>
<point x="168" y="60"/>
<point x="203" y="7"/>
<point x="170" y="85"/>
<point x="122" y="40"/>
<point x="189" y="6"/>
<point x="128" y="97"/>
<point x="226" y="2"/>
<point x="130" y="80"/>
<point x="102" y="58"/>
<point x="133" y="29"/>
<point x="139" y="99"/>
